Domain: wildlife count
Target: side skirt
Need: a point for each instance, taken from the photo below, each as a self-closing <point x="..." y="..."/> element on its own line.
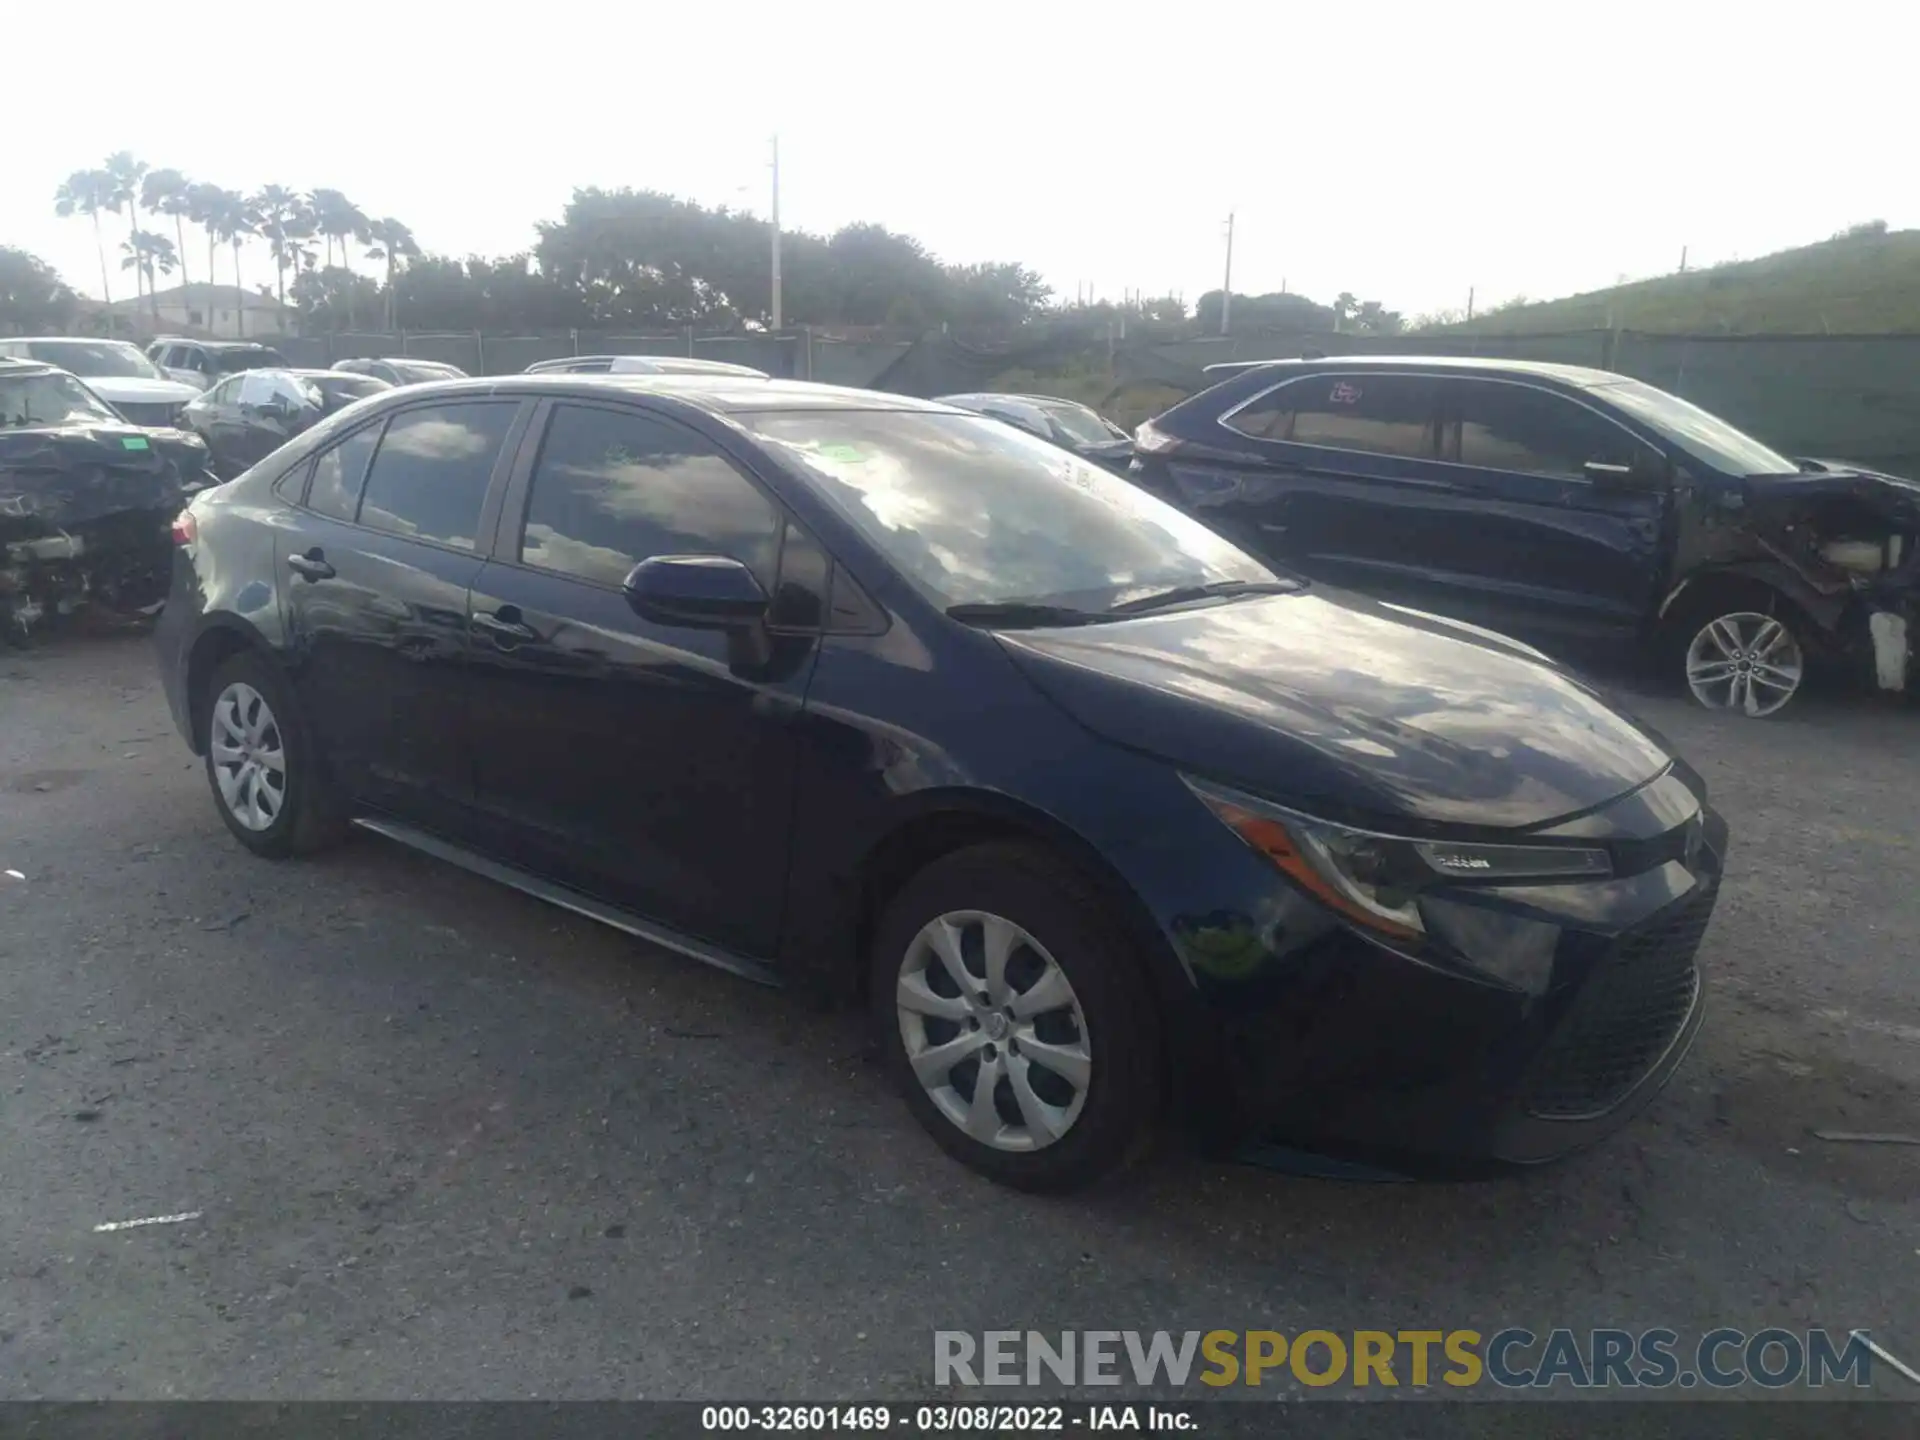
<point x="640" y="928"/>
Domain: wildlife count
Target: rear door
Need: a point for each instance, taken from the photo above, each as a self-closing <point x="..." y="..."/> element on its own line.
<point x="1335" y="474"/>
<point x="651" y="765"/>
<point x="1568" y="527"/>
<point x="375" y="577"/>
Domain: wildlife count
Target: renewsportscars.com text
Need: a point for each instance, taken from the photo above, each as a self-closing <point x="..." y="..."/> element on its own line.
<point x="1512" y="1358"/>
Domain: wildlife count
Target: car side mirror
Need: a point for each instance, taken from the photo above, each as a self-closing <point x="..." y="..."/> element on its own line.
<point x="701" y="592"/>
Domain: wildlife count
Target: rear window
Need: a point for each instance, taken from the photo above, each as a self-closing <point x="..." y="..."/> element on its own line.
<point x="232" y="362"/>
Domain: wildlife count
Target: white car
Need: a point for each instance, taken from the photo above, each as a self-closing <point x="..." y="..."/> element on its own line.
<point x="641" y="365"/>
<point x="114" y="370"/>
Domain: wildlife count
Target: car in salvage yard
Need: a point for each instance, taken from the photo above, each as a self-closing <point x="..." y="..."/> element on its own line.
<point x="246" y="417"/>
<point x="115" y="370"/>
<point x="1563" y="504"/>
<point x="87" y="500"/>
<point x="881" y="699"/>
<point x="1067" y="423"/>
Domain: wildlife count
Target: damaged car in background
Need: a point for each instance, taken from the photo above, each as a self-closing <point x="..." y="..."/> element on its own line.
<point x="86" y="501"/>
<point x="1566" y="505"/>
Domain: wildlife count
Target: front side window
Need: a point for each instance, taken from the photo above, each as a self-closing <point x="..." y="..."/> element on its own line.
<point x="339" y="472"/>
<point x="612" y="488"/>
<point x="1376" y="414"/>
<point x="432" y="468"/>
<point x="973" y="511"/>
<point x="1500" y="426"/>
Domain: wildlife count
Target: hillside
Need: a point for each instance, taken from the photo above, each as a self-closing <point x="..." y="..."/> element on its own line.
<point x="1856" y="284"/>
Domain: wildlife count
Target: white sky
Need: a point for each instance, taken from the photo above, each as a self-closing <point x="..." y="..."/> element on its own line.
<point x="1404" y="152"/>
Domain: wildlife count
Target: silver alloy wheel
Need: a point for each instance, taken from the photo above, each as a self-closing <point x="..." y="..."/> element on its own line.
<point x="1744" y="661"/>
<point x="993" y="1030"/>
<point x="249" y="756"/>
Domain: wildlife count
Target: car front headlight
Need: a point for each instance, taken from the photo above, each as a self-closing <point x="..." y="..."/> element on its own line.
<point x="1376" y="880"/>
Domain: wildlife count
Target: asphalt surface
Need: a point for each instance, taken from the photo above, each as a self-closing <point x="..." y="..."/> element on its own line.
<point x="445" y="1141"/>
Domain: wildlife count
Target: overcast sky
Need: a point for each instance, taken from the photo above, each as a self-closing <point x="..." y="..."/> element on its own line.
<point x="1403" y="152"/>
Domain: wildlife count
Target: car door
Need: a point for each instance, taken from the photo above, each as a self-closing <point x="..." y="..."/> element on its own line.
<point x="1333" y="474"/>
<point x="374" y="577"/>
<point x="647" y="764"/>
<point x="1570" y="515"/>
<point x="215" y="417"/>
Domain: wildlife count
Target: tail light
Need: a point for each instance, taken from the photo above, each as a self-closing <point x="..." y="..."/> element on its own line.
<point x="186" y="529"/>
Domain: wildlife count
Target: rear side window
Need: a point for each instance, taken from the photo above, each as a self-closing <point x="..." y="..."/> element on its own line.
<point x="339" y="473"/>
<point x="612" y="488"/>
<point x="1377" y="414"/>
<point x="1515" y="427"/>
<point x="430" y="473"/>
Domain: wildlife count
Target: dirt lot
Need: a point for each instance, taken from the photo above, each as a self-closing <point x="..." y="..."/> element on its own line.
<point x="446" y="1141"/>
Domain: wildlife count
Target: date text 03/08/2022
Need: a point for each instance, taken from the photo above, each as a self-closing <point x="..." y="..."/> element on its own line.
<point x="945" y="1419"/>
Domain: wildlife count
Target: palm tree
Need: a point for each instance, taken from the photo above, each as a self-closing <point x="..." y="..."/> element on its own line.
<point x="283" y="219"/>
<point x="203" y="209"/>
<point x="169" y="192"/>
<point x="391" y="241"/>
<point x="124" y="174"/>
<point x="145" y="252"/>
<point x="233" y="221"/>
<point x="338" y="219"/>
<point x="88" y="192"/>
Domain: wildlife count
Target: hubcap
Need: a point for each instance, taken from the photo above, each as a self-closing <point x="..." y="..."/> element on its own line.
<point x="249" y="756"/>
<point x="1744" y="661"/>
<point x="993" y="1030"/>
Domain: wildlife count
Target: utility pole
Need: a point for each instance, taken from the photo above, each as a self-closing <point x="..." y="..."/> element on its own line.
<point x="776" y="233"/>
<point x="1226" y="290"/>
<point x="1469" y="302"/>
<point x="1683" y="259"/>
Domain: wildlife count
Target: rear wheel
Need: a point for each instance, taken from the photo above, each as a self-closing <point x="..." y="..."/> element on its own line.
<point x="1015" y="1019"/>
<point x="265" y="774"/>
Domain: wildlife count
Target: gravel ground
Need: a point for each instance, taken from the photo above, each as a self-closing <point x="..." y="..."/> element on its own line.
<point x="449" y="1142"/>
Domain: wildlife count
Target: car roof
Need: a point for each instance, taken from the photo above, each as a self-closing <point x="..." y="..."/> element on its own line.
<point x="1580" y="375"/>
<point x="65" y="340"/>
<point x="721" y="393"/>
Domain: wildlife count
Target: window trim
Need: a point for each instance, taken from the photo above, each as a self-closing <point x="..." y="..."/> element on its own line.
<point x="490" y="502"/>
<point x="1442" y="416"/>
<point x="1432" y="426"/>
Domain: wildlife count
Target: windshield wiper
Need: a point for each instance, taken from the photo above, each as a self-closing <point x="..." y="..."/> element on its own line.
<point x="1186" y="594"/>
<point x="1020" y="613"/>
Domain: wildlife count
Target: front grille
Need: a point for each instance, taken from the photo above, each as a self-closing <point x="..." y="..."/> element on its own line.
<point x="1622" y="1022"/>
<point x="156" y="415"/>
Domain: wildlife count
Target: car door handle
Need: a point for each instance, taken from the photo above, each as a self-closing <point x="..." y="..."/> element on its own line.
<point x="313" y="565"/>
<point x="502" y="626"/>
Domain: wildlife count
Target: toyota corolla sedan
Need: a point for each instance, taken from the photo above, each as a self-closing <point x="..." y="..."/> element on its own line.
<point x="1106" y="820"/>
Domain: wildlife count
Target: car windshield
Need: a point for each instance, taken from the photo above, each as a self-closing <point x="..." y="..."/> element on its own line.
<point x="232" y="362"/>
<point x="51" y="399"/>
<point x="1705" y="436"/>
<point x="1082" y="424"/>
<point x="96" y="359"/>
<point x="976" y="512"/>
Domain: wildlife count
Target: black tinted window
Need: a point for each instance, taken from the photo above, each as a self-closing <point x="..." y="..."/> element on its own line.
<point x="1380" y="414"/>
<point x="431" y="471"/>
<point x="611" y="489"/>
<point x="1515" y="427"/>
<point x="339" y="472"/>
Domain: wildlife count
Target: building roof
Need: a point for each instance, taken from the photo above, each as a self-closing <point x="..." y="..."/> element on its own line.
<point x="201" y="295"/>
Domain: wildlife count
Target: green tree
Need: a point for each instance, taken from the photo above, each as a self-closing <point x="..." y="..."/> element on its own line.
<point x="284" y="219"/>
<point x="391" y="242"/>
<point x="124" y="174"/>
<point x="88" y="192"/>
<point x="169" y="192"/>
<point x="32" y="294"/>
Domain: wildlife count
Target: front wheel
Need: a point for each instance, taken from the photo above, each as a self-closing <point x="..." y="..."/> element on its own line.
<point x="264" y="771"/>
<point x="1746" y="661"/>
<point x="1015" y="1018"/>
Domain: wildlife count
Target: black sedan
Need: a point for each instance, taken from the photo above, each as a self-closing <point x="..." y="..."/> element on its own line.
<point x="246" y="417"/>
<point x="874" y="697"/>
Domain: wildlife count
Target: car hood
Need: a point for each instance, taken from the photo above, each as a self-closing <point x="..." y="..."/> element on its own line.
<point x="1348" y="709"/>
<point x="137" y="391"/>
<point x="73" y="474"/>
<point x="1891" y="496"/>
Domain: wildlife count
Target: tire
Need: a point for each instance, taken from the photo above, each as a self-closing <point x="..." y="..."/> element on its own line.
<point x="250" y="722"/>
<point x="1071" y="990"/>
<point x="1742" y="651"/>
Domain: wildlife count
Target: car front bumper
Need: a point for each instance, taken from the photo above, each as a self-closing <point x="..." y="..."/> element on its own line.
<point x="1310" y="1035"/>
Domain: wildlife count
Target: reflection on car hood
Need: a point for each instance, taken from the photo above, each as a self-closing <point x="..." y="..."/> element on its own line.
<point x="137" y="391"/>
<point x="72" y="474"/>
<point x="1348" y="709"/>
